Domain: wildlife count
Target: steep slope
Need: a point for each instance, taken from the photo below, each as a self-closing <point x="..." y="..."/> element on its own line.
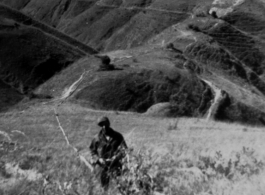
<point x="176" y="54"/>
<point x="8" y="97"/>
<point x="8" y="14"/>
<point x="30" y="53"/>
<point x="223" y="54"/>
<point x="132" y="88"/>
<point x="109" y="25"/>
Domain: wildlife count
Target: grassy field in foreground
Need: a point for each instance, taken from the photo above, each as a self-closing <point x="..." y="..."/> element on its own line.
<point x="182" y="156"/>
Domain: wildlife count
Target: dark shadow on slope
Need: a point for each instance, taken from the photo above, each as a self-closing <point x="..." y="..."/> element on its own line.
<point x="138" y="90"/>
<point x="233" y="111"/>
<point x="230" y="52"/>
<point x="29" y="57"/>
<point x="248" y="17"/>
<point x="16" y="4"/>
<point x="8" y="97"/>
<point x="10" y="14"/>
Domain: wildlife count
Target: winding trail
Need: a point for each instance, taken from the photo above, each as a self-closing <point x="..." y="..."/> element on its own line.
<point x="215" y="102"/>
<point x="101" y="4"/>
<point x="69" y="91"/>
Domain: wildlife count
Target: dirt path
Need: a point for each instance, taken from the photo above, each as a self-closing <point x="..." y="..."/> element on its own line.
<point x="216" y="102"/>
<point x="101" y="4"/>
<point x="69" y="91"/>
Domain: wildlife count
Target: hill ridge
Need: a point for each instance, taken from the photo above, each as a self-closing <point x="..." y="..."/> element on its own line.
<point x="28" y="21"/>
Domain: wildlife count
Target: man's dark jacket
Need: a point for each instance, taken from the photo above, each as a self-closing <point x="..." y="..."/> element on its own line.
<point x="109" y="146"/>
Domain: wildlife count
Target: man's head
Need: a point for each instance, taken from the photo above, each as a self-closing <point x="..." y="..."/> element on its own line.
<point x="104" y="122"/>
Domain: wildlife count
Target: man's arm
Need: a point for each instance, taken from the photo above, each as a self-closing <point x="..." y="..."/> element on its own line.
<point x="94" y="150"/>
<point x="118" y="146"/>
<point x="124" y="145"/>
<point x="94" y="146"/>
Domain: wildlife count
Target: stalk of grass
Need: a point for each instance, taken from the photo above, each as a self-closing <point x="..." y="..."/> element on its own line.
<point x="81" y="157"/>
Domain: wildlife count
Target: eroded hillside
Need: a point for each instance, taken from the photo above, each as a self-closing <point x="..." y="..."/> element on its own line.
<point x="30" y="54"/>
<point x="167" y="58"/>
<point x="109" y="25"/>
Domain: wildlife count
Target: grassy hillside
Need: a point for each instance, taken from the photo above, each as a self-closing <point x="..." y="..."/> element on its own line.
<point x="29" y="57"/>
<point x="9" y="97"/>
<point x="109" y="25"/>
<point x="30" y="53"/>
<point x="193" y="59"/>
<point x="18" y="17"/>
<point x="187" y="43"/>
<point x="132" y="88"/>
<point x="187" y="155"/>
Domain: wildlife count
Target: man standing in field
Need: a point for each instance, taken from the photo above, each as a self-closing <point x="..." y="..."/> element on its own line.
<point x="107" y="150"/>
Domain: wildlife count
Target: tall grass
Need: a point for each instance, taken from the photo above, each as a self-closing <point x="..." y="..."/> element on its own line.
<point x="168" y="156"/>
<point x="144" y="173"/>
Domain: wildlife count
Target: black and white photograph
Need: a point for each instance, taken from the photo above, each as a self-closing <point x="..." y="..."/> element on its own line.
<point x="132" y="97"/>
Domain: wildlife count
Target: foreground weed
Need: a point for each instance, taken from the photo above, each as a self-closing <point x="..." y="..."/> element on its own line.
<point x="242" y="163"/>
<point x="145" y="173"/>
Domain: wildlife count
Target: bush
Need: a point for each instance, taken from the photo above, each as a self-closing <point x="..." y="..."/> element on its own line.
<point x="136" y="178"/>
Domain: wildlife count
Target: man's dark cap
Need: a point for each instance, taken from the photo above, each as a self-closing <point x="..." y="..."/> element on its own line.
<point x="103" y="121"/>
